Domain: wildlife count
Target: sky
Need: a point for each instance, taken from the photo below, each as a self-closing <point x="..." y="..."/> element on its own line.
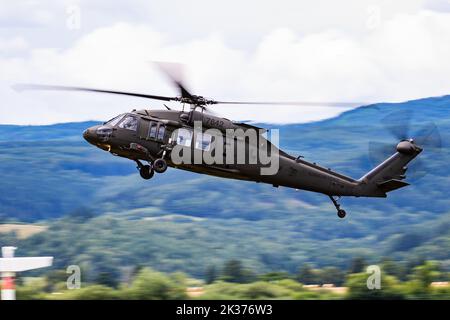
<point x="324" y="50"/>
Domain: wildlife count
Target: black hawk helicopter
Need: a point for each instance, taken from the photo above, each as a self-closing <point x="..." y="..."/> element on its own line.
<point x="149" y="138"/>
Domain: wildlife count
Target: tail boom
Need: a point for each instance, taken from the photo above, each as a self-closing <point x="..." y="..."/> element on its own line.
<point x="389" y="174"/>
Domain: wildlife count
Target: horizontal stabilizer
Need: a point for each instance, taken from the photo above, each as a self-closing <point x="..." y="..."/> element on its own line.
<point x="392" y="184"/>
<point x="24" y="263"/>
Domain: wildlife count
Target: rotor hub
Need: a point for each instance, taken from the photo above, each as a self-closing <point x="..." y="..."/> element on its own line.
<point x="407" y="147"/>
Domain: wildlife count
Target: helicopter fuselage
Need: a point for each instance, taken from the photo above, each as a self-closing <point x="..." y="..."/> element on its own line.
<point x="150" y="135"/>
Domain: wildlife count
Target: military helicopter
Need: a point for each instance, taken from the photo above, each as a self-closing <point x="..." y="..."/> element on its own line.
<point x="149" y="138"/>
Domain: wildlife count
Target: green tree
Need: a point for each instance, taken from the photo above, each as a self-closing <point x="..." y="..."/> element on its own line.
<point x="307" y="275"/>
<point x="108" y="279"/>
<point x="426" y="273"/>
<point x="211" y="274"/>
<point x="94" y="292"/>
<point x="264" y="290"/>
<point x="274" y="276"/>
<point x="152" y="285"/>
<point x="56" y="277"/>
<point x="419" y="285"/>
<point x="390" y="267"/>
<point x="357" y="265"/>
<point x="32" y="290"/>
<point x="234" y="271"/>
<point x="331" y="275"/>
<point x="357" y="288"/>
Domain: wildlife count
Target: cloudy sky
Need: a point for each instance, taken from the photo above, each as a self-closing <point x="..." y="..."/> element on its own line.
<point x="323" y="50"/>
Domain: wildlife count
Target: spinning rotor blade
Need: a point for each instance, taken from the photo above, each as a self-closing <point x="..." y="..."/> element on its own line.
<point x="398" y="123"/>
<point x="174" y="71"/>
<point x="296" y="103"/>
<point x="417" y="169"/>
<point x="184" y="92"/>
<point x="21" y="87"/>
<point x="379" y="151"/>
<point x="429" y="138"/>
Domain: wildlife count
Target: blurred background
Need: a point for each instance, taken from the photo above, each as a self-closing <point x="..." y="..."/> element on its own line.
<point x="182" y="235"/>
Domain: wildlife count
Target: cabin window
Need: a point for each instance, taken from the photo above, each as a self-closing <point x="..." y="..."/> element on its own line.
<point x="129" y="123"/>
<point x="203" y="142"/>
<point x="161" y="132"/>
<point x="152" y="130"/>
<point x="184" y="137"/>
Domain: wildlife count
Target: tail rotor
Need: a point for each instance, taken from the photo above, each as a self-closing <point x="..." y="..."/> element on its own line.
<point x="399" y="125"/>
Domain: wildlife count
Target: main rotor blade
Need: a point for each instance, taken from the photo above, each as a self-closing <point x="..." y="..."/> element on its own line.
<point x="296" y="103"/>
<point x="174" y="71"/>
<point x="21" y="87"/>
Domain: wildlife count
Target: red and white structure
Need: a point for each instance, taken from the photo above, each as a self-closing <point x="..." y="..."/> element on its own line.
<point x="10" y="265"/>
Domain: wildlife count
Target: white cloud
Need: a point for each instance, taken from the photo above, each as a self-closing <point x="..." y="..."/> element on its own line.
<point x="12" y="46"/>
<point x="403" y="57"/>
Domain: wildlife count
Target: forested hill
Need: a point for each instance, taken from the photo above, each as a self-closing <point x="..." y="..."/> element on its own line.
<point x="183" y="221"/>
<point x="49" y="171"/>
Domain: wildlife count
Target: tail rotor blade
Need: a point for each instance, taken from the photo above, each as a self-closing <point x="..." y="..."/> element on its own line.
<point x="429" y="138"/>
<point x="417" y="169"/>
<point x="380" y="151"/>
<point x="398" y="123"/>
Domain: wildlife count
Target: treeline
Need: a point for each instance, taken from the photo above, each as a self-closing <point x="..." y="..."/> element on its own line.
<point x="234" y="281"/>
<point x="109" y="243"/>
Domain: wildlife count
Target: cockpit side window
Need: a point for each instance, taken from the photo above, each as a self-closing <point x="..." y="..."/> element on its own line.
<point x="129" y="123"/>
<point x="114" y="121"/>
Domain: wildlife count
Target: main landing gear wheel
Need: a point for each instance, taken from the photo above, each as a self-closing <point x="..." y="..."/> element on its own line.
<point x="341" y="213"/>
<point x="160" y="165"/>
<point x="146" y="172"/>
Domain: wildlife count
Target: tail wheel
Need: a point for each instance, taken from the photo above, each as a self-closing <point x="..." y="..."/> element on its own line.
<point x="160" y="165"/>
<point x="146" y="172"/>
<point x="341" y="213"/>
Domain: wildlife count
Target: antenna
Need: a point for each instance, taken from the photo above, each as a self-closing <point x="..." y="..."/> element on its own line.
<point x="9" y="266"/>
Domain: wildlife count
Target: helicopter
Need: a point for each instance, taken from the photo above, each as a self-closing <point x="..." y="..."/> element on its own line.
<point x="155" y="140"/>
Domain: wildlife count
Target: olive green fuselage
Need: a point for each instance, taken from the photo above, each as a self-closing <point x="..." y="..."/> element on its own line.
<point x="144" y="136"/>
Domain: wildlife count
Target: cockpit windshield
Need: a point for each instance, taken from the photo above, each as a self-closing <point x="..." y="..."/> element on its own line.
<point x="129" y="123"/>
<point x="114" y="121"/>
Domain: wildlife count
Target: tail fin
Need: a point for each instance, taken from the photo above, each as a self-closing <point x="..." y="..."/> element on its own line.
<point x="389" y="175"/>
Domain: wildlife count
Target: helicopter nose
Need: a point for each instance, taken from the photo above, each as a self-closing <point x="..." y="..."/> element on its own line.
<point x="89" y="135"/>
